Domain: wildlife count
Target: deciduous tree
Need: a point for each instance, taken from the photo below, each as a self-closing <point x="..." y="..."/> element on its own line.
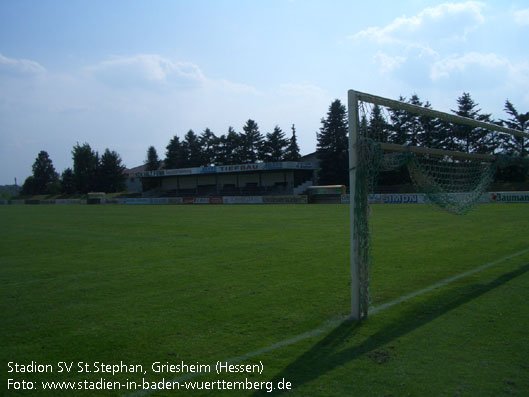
<point x="85" y="167"/>
<point x="67" y="181"/>
<point x="45" y="179"/>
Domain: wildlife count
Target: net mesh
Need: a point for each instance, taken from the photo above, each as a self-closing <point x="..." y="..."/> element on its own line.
<point x="453" y="184"/>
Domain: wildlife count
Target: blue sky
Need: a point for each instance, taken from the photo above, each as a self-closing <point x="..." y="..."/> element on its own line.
<point x="130" y="74"/>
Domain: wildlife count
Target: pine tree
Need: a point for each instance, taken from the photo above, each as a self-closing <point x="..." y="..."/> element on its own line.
<point x="232" y="148"/>
<point x="173" y="154"/>
<point x="191" y="149"/>
<point x="514" y="145"/>
<point x="431" y="131"/>
<point x="221" y="155"/>
<point x="399" y="120"/>
<point x="111" y="172"/>
<point x="470" y="139"/>
<point x="414" y="127"/>
<point x="363" y="129"/>
<point x="378" y="129"/>
<point x="332" y="146"/>
<point x="274" y="147"/>
<point x="209" y="146"/>
<point x="415" y="130"/>
<point x="251" y="141"/>
<point x="292" y="150"/>
<point x="152" y="162"/>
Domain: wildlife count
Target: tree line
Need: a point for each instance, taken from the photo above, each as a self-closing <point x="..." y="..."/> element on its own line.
<point x="207" y="149"/>
<point x="90" y="173"/>
<point x="404" y="128"/>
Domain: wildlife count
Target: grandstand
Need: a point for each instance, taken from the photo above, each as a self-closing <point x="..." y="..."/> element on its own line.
<point x="275" y="178"/>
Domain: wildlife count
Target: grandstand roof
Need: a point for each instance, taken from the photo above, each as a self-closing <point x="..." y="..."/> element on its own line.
<point x="235" y="168"/>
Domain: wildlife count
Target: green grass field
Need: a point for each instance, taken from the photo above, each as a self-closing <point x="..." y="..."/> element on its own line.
<point x="144" y="284"/>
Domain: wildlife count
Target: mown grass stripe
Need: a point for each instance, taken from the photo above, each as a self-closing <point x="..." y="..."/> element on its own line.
<point x="337" y="321"/>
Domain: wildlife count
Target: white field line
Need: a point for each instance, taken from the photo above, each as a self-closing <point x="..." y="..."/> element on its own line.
<point x="445" y="282"/>
<point x="337" y="321"/>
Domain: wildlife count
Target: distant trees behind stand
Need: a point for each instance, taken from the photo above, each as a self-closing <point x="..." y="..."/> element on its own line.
<point x="208" y="149"/>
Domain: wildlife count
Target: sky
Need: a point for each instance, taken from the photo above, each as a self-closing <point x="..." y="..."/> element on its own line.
<point x="127" y="74"/>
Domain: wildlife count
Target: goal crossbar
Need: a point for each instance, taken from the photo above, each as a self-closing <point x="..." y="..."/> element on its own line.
<point x="420" y="110"/>
<point x="391" y="147"/>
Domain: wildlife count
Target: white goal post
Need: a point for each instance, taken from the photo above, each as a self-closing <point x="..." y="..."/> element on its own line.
<point x="358" y="303"/>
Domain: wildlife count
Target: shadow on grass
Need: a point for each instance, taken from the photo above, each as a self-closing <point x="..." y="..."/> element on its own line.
<point x="326" y="355"/>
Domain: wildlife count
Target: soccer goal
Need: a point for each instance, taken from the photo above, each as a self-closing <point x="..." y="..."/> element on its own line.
<point x="449" y="158"/>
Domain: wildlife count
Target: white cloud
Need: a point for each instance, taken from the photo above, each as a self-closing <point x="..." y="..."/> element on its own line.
<point x="154" y="72"/>
<point x="490" y="77"/>
<point x="444" y="68"/>
<point x="408" y="46"/>
<point x="476" y="64"/>
<point x="445" y="21"/>
<point x="389" y="63"/>
<point x="230" y="87"/>
<point x="521" y="17"/>
<point x="434" y="46"/>
<point x="20" y="68"/>
<point x="147" y="71"/>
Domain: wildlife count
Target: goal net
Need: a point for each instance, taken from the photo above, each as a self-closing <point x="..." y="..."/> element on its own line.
<point x="450" y="159"/>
